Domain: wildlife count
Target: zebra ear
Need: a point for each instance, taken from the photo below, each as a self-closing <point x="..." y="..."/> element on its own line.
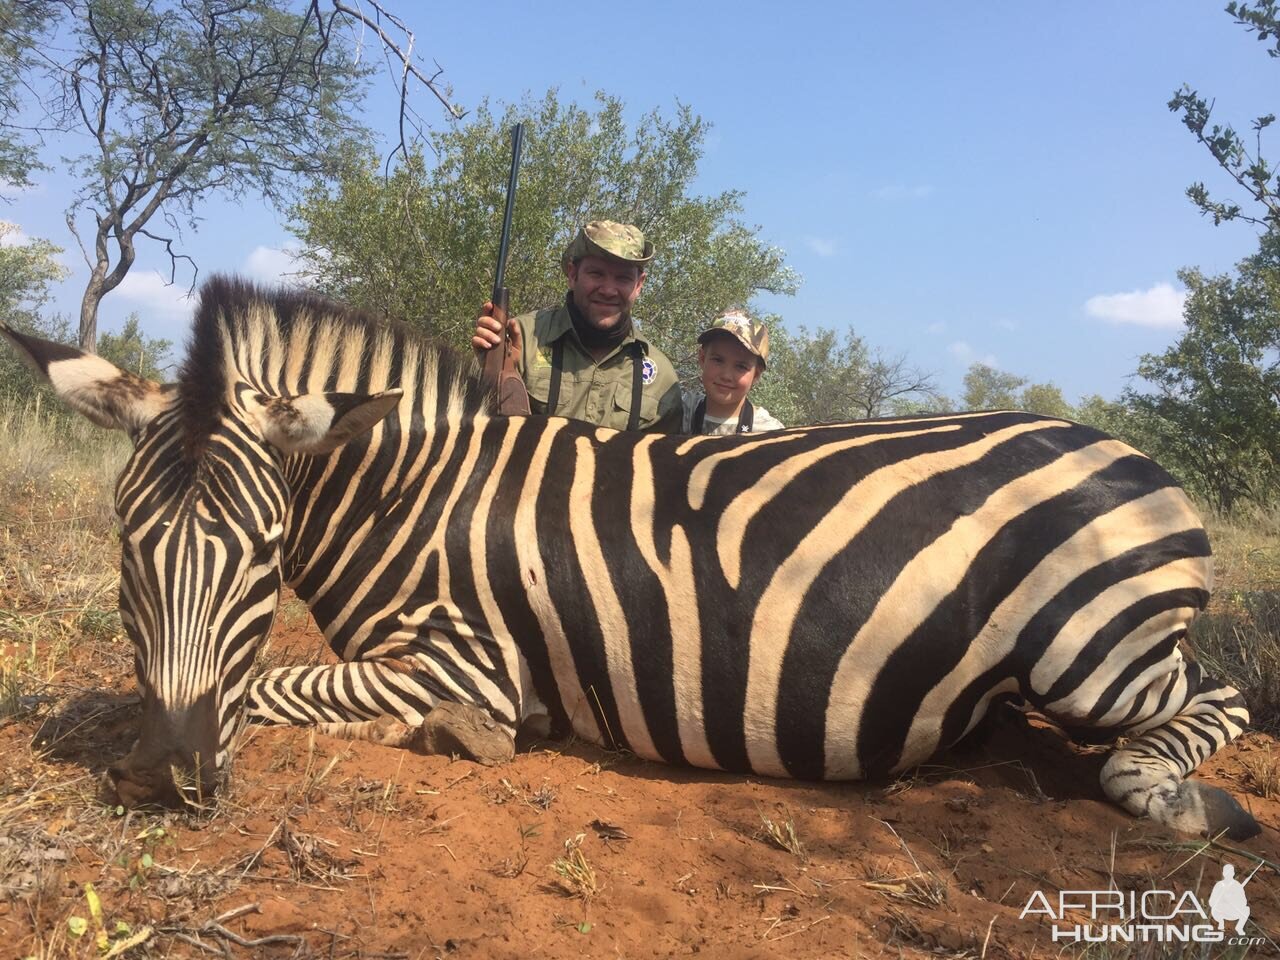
<point x="97" y="388"/>
<point x="316" y="423"/>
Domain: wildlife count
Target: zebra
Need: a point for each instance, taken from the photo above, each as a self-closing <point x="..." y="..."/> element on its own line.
<point x="834" y="602"/>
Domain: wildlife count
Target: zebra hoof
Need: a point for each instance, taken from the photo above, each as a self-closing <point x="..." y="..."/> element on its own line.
<point x="1223" y="813"/>
<point x="463" y="730"/>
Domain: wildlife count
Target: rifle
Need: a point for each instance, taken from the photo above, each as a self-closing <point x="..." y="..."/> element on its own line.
<point x="499" y="370"/>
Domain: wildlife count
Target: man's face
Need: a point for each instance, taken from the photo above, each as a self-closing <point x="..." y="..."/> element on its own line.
<point x="728" y="370"/>
<point x="604" y="290"/>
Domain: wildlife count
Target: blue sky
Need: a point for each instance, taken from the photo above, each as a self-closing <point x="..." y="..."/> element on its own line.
<point x="955" y="182"/>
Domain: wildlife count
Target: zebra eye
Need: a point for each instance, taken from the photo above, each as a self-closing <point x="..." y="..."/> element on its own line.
<point x="263" y="545"/>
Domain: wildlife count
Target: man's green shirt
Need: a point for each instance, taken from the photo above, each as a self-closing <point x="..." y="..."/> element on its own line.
<point x="598" y="393"/>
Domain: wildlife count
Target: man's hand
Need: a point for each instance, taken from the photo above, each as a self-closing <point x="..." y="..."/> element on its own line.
<point x="489" y="332"/>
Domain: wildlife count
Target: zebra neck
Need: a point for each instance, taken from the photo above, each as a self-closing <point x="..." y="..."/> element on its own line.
<point x="366" y="539"/>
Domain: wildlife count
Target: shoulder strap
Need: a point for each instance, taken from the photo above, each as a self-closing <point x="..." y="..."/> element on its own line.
<point x="557" y="365"/>
<point x="747" y="417"/>
<point x="699" y="414"/>
<point x="637" y="384"/>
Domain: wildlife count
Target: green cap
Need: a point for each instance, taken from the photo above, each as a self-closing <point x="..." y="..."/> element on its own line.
<point x="752" y="334"/>
<point x="604" y="238"/>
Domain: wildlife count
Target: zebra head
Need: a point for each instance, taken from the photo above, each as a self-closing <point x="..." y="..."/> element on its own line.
<point x="202" y="526"/>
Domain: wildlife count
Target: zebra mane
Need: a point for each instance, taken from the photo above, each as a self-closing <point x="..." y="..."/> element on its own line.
<point x="289" y="342"/>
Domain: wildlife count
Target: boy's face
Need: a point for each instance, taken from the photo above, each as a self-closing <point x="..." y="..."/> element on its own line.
<point x="728" y="370"/>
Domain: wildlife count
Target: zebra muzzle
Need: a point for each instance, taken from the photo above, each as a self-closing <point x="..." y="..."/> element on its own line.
<point x="166" y="767"/>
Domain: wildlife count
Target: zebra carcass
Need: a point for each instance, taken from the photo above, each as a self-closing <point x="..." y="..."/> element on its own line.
<point x="832" y="602"/>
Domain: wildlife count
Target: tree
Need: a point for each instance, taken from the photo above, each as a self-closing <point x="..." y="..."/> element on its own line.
<point x="1110" y="416"/>
<point x="22" y="26"/>
<point x="986" y="388"/>
<point x="183" y="98"/>
<point x="817" y="377"/>
<point x="26" y="270"/>
<point x="136" y="352"/>
<point x="421" y="243"/>
<point x="1245" y="165"/>
<point x="1214" y="415"/>
<point x="1045" y="399"/>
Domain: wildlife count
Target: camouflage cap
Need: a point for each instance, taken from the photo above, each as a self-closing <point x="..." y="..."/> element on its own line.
<point x="752" y="334"/>
<point x="604" y="238"/>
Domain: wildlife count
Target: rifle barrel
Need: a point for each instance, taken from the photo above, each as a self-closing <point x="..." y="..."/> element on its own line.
<point x="517" y="139"/>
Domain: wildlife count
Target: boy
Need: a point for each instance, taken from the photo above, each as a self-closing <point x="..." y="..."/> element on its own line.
<point x="732" y="354"/>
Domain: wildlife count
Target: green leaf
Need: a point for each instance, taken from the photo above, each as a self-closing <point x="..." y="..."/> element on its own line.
<point x="77" y="926"/>
<point x="147" y="861"/>
<point x="584" y="927"/>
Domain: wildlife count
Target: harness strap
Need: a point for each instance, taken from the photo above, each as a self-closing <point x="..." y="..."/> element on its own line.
<point x="557" y="364"/>
<point x="637" y="384"/>
<point x="637" y="380"/>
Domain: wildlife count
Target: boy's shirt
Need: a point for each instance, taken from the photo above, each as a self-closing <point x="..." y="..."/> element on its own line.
<point x="761" y="420"/>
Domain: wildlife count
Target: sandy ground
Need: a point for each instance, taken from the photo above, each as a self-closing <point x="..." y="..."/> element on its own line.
<point x="332" y="849"/>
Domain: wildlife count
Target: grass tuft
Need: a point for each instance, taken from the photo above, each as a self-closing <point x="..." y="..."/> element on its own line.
<point x="781" y="832"/>
<point x="574" y="874"/>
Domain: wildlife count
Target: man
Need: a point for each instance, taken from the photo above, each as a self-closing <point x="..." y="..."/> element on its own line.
<point x="1228" y="900"/>
<point x="585" y="359"/>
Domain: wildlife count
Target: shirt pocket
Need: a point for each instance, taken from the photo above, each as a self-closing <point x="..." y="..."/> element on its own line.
<point x="538" y="383"/>
<point x="621" y="413"/>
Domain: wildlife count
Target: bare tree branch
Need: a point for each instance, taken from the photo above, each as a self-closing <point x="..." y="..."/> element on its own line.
<point x="173" y="259"/>
<point x="405" y="55"/>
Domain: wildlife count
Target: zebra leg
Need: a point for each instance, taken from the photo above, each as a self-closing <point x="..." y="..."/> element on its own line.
<point x="1195" y="716"/>
<point x="336" y="699"/>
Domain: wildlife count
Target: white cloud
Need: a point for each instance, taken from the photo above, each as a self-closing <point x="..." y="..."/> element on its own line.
<point x="273" y="265"/>
<point x="901" y="191"/>
<point x="967" y="356"/>
<point x="821" y="246"/>
<point x="149" y="293"/>
<point x="1161" y="306"/>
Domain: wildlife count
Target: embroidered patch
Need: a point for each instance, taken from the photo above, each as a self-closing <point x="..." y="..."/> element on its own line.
<point x="648" y="372"/>
<point x="543" y="357"/>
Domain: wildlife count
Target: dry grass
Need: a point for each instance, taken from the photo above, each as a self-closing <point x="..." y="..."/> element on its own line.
<point x="920" y="886"/>
<point x="1262" y="773"/>
<point x="574" y="874"/>
<point x="781" y="833"/>
<point x="1238" y="637"/>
